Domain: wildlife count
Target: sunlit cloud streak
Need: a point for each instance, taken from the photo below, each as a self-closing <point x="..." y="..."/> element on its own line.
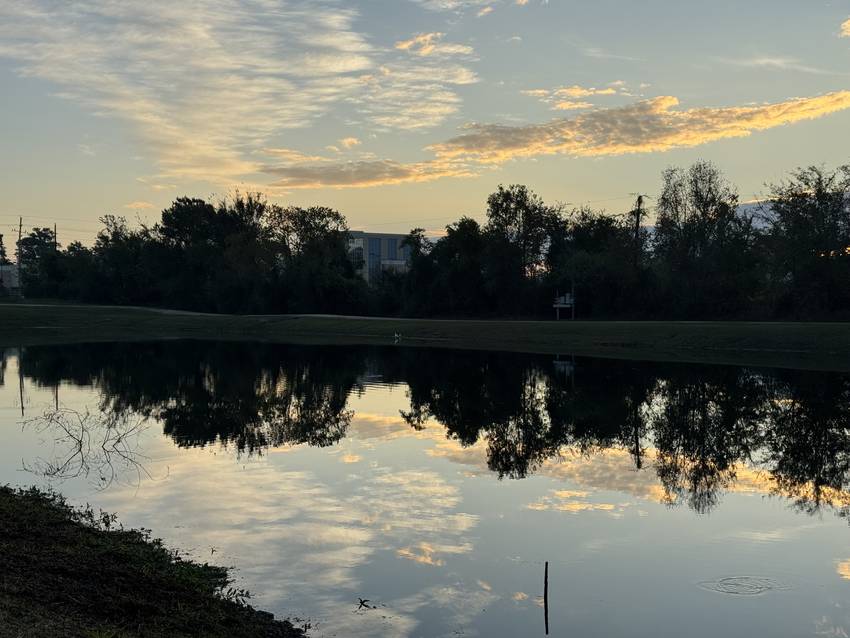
<point x="425" y="44"/>
<point x="364" y="173"/>
<point x="845" y="29"/>
<point x="643" y="127"/>
<point x="646" y="126"/>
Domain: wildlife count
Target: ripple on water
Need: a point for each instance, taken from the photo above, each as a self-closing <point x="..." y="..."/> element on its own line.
<point x="744" y="585"/>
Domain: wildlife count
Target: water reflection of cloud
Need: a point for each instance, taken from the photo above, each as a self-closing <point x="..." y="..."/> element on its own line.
<point x="298" y="542"/>
<point x="428" y="553"/>
<point x="573" y="502"/>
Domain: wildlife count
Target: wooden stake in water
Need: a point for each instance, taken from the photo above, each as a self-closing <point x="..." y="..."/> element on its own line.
<point x="546" y="596"/>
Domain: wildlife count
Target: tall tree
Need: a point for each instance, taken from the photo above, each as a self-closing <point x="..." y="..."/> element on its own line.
<point x="809" y="242"/>
<point x="703" y="244"/>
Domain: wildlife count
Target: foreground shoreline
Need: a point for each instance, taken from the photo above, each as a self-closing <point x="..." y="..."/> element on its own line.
<point x="74" y="572"/>
<point x="820" y="345"/>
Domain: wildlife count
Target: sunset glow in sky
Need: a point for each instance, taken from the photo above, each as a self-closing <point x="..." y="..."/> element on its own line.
<point x="405" y="113"/>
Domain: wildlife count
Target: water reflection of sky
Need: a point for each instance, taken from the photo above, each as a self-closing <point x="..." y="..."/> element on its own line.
<point x="417" y="524"/>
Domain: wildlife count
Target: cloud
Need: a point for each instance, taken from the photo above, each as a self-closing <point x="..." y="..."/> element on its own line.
<point x="412" y="96"/>
<point x="485" y="11"/>
<point x="580" y="91"/>
<point x="567" y="98"/>
<point x="571" y="105"/>
<point x="205" y="85"/>
<point x="349" y="142"/>
<point x="642" y="127"/>
<point x="603" y="54"/>
<point x="426" y="44"/>
<point x="778" y="64"/>
<point x="845" y="29"/>
<point x="291" y="156"/>
<point x="646" y="126"/>
<point x="138" y="205"/>
<point x="199" y="82"/>
<point x="363" y="173"/>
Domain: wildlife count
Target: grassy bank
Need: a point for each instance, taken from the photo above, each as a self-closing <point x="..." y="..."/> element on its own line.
<point x="68" y="572"/>
<point x="804" y="345"/>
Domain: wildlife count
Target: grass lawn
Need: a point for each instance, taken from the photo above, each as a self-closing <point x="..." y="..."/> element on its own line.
<point x="68" y="572"/>
<point x="784" y="344"/>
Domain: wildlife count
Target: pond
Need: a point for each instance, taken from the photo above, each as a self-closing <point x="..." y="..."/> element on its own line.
<point x="412" y="492"/>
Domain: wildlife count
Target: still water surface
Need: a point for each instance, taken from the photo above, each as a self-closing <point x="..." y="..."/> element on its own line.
<point x="669" y="500"/>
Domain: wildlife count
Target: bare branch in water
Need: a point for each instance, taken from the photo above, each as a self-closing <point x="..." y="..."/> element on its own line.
<point x="102" y="447"/>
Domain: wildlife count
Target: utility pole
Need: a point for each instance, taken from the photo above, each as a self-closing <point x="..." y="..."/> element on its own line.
<point x="20" y="235"/>
<point x="638" y="214"/>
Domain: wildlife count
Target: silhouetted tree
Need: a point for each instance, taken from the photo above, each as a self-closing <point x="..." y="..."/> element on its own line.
<point x="703" y="245"/>
<point x="809" y="242"/>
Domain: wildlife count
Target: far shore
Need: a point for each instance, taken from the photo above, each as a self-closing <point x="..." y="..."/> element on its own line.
<point x="815" y="345"/>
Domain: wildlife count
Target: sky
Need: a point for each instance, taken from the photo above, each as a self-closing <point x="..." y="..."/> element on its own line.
<point x="403" y="113"/>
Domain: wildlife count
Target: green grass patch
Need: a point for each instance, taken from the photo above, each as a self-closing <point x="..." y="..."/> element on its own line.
<point x="74" y="572"/>
<point x="822" y="345"/>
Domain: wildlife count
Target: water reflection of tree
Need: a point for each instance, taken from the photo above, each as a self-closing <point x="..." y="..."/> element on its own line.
<point x="247" y="395"/>
<point x="704" y="425"/>
<point x="693" y="425"/>
<point x="808" y="441"/>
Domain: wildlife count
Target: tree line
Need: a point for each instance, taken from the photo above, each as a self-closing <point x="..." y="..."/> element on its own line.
<point x="697" y="253"/>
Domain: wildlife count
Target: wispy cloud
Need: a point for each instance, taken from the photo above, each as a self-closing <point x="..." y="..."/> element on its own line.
<point x="363" y="173"/>
<point x="777" y="63"/>
<point x="200" y="82"/>
<point x="206" y="85"/>
<point x="413" y="95"/>
<point x="604" y="54"/>
<point x="845" y="29"/>
<point x="140" y="205"/>
<point x="425" y="44"/>
<point x="569" y="98"/>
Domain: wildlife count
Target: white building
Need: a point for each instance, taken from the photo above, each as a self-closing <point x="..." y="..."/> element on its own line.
<point x="375" y="253"/>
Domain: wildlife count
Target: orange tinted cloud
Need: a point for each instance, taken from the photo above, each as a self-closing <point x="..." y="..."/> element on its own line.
<point x="426" y="44"/>
<point x="646" y="126"/>
<point x="364" y="173"/>
<point x="642" y="127"/>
